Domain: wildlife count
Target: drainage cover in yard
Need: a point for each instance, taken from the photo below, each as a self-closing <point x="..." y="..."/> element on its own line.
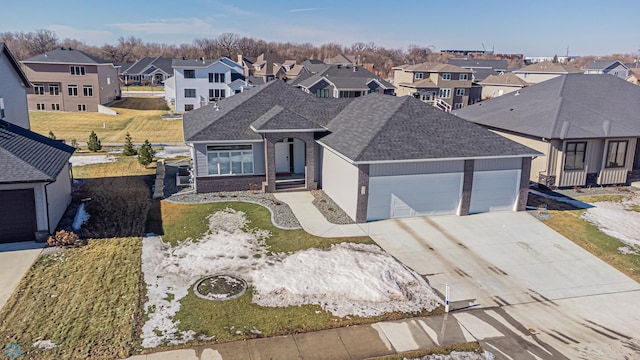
<point x="220" y="287"/>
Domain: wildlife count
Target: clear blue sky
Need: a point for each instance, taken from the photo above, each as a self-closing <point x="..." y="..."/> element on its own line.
<point x="533" y="27"/>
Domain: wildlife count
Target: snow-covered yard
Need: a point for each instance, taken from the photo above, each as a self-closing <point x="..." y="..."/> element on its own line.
<point x="91" y="159"/>
<point x="169" y="152"/>
<point x="618" y="219"/>
<point x="348" y="279"/>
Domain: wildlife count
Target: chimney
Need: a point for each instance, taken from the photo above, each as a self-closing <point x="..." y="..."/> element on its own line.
<point x="202" y="58"/>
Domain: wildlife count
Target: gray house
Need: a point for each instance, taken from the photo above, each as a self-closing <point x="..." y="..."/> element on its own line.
<point x="377" y="156"/>
<point x="35" y="185"/>
<point x="587" y="126"/>
<point x="615" y="68"/>
<point x="340" y="81"/>
<point x="148" y="70"/>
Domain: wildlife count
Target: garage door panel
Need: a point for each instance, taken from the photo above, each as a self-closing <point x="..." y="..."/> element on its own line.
<point x="17" y="215"/>
<point x="494" y="190"/>
<point x="414" y="195"/>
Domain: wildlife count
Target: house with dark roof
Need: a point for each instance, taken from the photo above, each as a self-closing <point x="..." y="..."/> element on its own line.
<point x="340" y="81"/>
<point x="147" y="71"/>
<point x="342" y="59"/>
<point x="35" y="185"/>
<point x="196" y="83"/>
<point x="587" y="126"/>
<point x="445" y="86"/>
<point x="500" y="84"/>
<point x="376" y="156"/>
<point x="67" y="79"/>
<point x="270" y="66"/>
<point x="546" y="70"/>
<point x="482" y="68"/>
<point x="615" y="68"/>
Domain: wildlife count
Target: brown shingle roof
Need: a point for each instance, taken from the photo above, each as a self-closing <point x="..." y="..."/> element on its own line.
<point x="549" y="67"/>
<point x="508" y="79"/>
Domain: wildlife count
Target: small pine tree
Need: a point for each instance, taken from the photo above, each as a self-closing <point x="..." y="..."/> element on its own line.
<point x="52" y="136"/>
<point x="74" y="143"/>
<point x="94" y="143"/>
<point x="146" y="153"/>
<point x="129" y="150"/>
<point x="555" y="59"/>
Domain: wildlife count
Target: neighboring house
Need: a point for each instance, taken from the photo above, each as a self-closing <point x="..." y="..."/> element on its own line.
<point x="615" y="68"/>
<point x="497" y="85"/>
<point x="314" y="66"/>
<point x="147" y="71"/>
<point x="196" y="83"/>
<point x="586" y="125"/>
<point x="66" y="79"/>
<point x="543" y="71"/>
<point x="271" y="66"/>
<point x="35" y="184"/>
<point x="376" y="156"/>
<point x="340" y="81"/>
<point x="482" y="68"/>
<point x="634" y="76"/>
<point x="342" y="59"/>
<point x="443" y="85"/>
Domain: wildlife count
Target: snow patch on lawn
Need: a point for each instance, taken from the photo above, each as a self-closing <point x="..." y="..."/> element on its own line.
<point x="81" y="218"/>
<point x="44" y="344"/>
<point x="91" y="159"/>
<point x="169" y="152"/>
<point x="458" y="355"/>
<point x="616" y="219"/>
<point x="348" y="279"/>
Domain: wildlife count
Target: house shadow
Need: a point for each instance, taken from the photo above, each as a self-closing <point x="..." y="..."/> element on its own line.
<point x="544" y="198"/>
<point x="19" y="246"/>
<point x="141" y="103"/>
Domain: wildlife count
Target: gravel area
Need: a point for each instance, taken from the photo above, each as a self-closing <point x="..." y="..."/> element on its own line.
<point x="595" y="190"/>
<point x="331" y="211"/>
<point x="281" y="214"/>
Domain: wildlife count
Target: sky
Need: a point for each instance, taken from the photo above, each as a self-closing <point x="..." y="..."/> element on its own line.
<point x="532" y="28"/>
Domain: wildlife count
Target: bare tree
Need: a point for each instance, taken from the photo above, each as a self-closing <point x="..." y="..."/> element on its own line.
<point x="228" y="43"/>
<point x="208" y="48"/>
<point x="40" y="41"/>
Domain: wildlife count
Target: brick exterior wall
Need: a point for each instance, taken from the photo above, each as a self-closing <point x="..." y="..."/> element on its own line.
<point x="363" y="199"/>
<point x="467" y="187"/>
<point x="207" y="184"/>
<point x="523" y="195"/>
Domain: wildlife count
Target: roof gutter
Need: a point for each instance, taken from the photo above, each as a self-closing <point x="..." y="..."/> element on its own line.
<point x="447" y="159"/>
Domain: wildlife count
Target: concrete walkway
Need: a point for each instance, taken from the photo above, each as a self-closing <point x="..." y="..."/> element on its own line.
<point x="312" y="220"/>
<point x="15" y="260"/>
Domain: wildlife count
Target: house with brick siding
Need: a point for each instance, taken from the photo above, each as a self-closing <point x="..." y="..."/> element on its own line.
<point x="376" y="156"/>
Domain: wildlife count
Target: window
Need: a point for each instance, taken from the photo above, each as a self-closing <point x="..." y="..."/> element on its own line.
<point x="215" y="94"/>
<point x="616" y="153"/>
<point x="574" y="155"/>
<point x="444" y="93"/>
<point x="463" y="77"/>
<point x="459" y="92"/>
<point x="457" y="106"/>
<point x="73" y="90"/>
<point x="77" y="70"/>
<point x="189" y="74"/>
<point x="446" y="76"/>
<point x="229" y="159"/>
<point x="54" y="90"/>
<point x="188" y="107"/>
<point x="418" y="76"/>
<point x="323" y="93"/>
<point x="87" y="90"/>
<point x="189" y="93"/>
<point x="40" y="107"/>
<point x="38" y="89"/>
<point x="216" y="77"/>
<point x="82" y="107"/>
<point x="55" y="107"/>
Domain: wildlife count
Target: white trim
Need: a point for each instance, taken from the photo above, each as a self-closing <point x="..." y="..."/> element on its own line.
<point x="214" y="142"/>
<point x="67" y="63"/>
<point x="287" y="130"/>
<point x="343" y="157"/>
<point x="447" y="159"/>
<point x="379" y="83"/>
<point x="317" y="81"/>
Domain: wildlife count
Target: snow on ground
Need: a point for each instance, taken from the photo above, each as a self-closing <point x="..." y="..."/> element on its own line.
<point x="457" y="355"/>
<point x="81" y="218"/>
<point x="347" y="279"/>
<point x="44" y="344"/>
<point x="617" y="219"/>
<point x="169" y="152"/>
<point x="91" y="159"/>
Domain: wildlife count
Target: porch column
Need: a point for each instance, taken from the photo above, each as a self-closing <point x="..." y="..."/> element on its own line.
<point x="270" y="164"/>
<point x="309" y="161"/>
<point x="363" y="193"/>
<point x="523" y="193"/>
<point x="467" y="187"/>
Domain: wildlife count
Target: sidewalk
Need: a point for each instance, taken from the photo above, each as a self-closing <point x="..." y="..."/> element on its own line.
<point x="349" y="343"/>
<point x="312" y="220"/>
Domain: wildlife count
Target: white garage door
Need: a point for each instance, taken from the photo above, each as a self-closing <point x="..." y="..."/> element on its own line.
<point x="413" y="195"/>
<point x="494" y="190"/>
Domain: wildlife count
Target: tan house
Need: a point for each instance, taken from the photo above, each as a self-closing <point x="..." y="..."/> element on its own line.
<point x="66" y="79"/>
<point x="498" y="85"/>
<point x="543" y="71"/>
<point x="270" y="66"/>
<point x="587" y="126"/>
<point x="443" y="85"/>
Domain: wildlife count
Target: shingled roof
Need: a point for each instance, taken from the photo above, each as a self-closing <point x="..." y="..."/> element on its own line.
<point x="573" y="106"/>
<point x="343" y="77"/>
<point x="550" y="68"/>
<point x="66" y="55"/>
<point x="14" y="63"/>
<point x="506" y="79"/>
<point x="30" y="157"/>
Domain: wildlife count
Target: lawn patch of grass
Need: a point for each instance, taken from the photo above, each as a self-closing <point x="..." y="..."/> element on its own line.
<point x="599" y="198"/>
<point x="635" y="208"/>
<point x="141" y="103"/>
<point x="182" y="221"/>
<point x="158" y="88"/>
<point x="141" y="124"/>
<point x="589" y="237"/>
<point x="473" y="347"/>
<point x="124" y="166"/>
<point x="84" y="300"/>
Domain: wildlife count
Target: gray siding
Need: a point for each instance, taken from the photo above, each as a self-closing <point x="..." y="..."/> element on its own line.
<point x="58" y="197"/>
<point x="497" y="164"/>
<point x="413" y="168"/>
<point x="14" y="94"/>
<point x="340" y="182"/>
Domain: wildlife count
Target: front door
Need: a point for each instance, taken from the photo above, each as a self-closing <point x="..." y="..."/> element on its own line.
<point x="636" y="162"/>
<point x="283" y="163"/>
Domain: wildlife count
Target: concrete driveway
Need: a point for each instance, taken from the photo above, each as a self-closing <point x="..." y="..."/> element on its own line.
<point x="522" y="289"/>
<point x="15" y="260"/>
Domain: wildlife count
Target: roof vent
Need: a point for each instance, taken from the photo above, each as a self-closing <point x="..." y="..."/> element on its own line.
<point x="517" y="93"/>
<point x="202" y="58"/>
<point x="355" y="68"/>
